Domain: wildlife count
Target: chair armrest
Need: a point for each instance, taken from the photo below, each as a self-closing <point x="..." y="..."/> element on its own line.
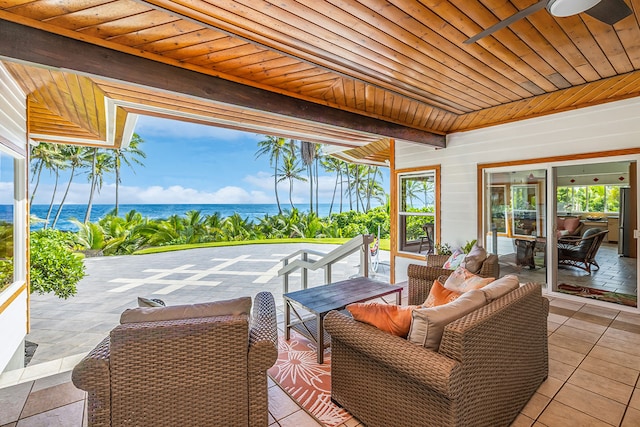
<point x="420" y="278"/>
<point x="263" y="333"/>
<point x="419" y="364"/>
<point x="436" y="260"/>
<point x="570" y="240"/>
<point x="93" y="375"/>
<point x="93" y="371"/>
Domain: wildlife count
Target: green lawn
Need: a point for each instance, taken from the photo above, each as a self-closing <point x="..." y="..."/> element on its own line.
<point x="384" y="244"/>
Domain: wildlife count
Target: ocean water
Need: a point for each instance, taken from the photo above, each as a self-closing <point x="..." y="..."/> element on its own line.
<point x="249" y="211"/>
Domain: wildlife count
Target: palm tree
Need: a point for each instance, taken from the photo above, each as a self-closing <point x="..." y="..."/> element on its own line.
<point x="374" y="176"/>
<point x="290" y="170"/>
<point x="43" y="156"/>
<point x="354" y="177"/>
<point x="75" y="157"/>
<point x="308" y="152"/>
<point x="130" y="155"/>
<point x="101" y="164"/>
<point x="333" y="165"/>
<point x="273" y="146"/>
<point x="412" y="189"/>
<point x="55" y="163"/>
<point x="427" y="189"/>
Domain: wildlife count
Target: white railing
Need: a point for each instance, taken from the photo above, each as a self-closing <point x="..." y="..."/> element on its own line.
<point x="307" y="259"/>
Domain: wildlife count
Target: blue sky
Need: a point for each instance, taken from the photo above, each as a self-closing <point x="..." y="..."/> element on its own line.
<point x="191" y="163"/>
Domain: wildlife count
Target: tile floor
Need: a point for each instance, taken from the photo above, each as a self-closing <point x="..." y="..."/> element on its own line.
<point x="593" y="380"/>
<point x="616" y="273"/>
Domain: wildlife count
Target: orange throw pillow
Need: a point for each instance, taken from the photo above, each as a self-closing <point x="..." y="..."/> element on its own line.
<point x="394" y="319"/>
<point x="439" y="295"/>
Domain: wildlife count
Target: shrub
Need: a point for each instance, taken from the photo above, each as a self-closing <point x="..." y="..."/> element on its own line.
<point x="54" y="267"/>
<point x="6" y="272"/>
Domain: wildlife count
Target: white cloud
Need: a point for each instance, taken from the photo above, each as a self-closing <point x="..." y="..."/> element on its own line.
<point x="176" y="194"/>
<point x="149" y="126"/>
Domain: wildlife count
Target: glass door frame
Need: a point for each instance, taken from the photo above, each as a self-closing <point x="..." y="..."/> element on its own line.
<point x="551" y="165"/>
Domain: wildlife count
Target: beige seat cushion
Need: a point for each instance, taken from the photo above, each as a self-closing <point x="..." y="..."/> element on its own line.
<point x="501" y="287"/>
<point x="462" y="280"/>
<point x="427" y="325"/>
<point x="233" y="307"/>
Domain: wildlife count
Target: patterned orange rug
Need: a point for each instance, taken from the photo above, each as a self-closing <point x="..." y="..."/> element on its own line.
<point x="599" y="294"/>
<point x="297" y="372"/>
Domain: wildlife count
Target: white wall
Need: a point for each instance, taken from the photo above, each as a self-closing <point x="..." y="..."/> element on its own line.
<point x="604" y="127"/>
<point x="13" y="135"/>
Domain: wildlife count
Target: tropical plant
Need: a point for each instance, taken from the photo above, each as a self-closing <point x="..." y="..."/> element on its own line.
<point x="194" y="229"/>
<point x="466" y="248"/>
<point x="237" y="228"/>
<point x="6" y="272"/>
<point x="53" y="265"/>
<point x="214" y="224"/>
<point x="90" y="235"/>
<point x="443" y="249"/>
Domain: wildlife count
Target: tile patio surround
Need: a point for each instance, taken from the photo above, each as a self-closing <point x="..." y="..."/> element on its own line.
<point x="594" y="352"/>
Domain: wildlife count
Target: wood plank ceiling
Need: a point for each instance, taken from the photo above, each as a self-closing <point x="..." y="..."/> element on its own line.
<point x="400" y="61"/>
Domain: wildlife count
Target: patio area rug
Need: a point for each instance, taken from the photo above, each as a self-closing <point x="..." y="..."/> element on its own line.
<point x="297" y="372"/>
<point x="599" y="294"/>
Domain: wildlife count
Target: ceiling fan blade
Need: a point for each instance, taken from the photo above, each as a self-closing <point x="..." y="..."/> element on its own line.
<point x="610" y="11"/>
<point x="510" y="20"/>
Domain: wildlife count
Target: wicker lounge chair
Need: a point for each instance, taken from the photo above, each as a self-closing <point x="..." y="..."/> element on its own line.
<point x="489" y="364"/>
<point x="206" y="371"/>
<point x="581" y="252"/>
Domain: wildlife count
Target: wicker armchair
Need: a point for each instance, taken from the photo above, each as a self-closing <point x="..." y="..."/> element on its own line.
<point x="581" y="251"/>
<point x="207" y="371"/>
<point x="489" y="364"/>
<point x="421" y="277"/>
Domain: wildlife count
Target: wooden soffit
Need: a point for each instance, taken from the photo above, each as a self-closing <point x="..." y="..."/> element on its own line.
<point x="376" y="153"/>
<point x="69" y="108"/>
<point x="383" y="69"/>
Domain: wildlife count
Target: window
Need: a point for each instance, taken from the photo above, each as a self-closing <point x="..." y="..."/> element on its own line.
<point x="6" y="220"/>
<point x="588" y="198"/>
<point x="417" y="209"/>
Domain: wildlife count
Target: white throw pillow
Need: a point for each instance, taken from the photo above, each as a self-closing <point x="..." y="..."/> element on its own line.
<point x="233" y="307"/>
<point x="146" y="302"/>
<point x="427" y="325"/>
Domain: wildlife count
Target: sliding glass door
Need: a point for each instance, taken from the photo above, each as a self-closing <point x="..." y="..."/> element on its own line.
<point x="571" y="226"/>
<point x="595" y="215"/>
<point x="515" y="221"/>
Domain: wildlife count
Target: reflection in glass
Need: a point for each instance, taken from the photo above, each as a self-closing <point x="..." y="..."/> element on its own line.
<point x="417" y="208"/>
<point x="6" y="220"/>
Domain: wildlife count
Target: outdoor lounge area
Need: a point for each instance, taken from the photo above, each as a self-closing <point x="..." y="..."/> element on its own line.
<point x="501" y="122"/>
<point x="594" y="361"/>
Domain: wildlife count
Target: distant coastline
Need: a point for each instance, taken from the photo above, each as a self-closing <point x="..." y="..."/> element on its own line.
<point x="162" y="211"/>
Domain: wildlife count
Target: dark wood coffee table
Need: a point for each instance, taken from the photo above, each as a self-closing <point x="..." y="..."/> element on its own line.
<point x="322" y="299"/>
